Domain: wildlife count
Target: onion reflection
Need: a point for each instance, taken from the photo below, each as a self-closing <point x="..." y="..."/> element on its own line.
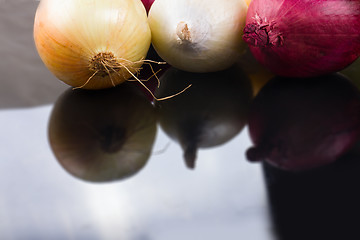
<point x="211" y="112"/>
<point x="319" y="204"/>
<point x="102" y="135"/>
<point x="300" y="124"/>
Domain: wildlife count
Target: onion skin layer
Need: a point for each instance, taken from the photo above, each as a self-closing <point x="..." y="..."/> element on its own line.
<point x="299" y="124"/>
<point x="299" y="38"/>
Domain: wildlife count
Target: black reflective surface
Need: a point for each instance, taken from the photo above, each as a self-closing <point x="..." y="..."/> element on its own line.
<point x="224" y="197"/>
<point x="319" y="204"/>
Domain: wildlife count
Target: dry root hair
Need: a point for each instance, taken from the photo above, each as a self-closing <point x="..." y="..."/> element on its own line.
<point x="106" y="64"/>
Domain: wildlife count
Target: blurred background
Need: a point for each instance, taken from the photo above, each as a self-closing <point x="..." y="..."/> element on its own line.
<point x="26" y="82"/>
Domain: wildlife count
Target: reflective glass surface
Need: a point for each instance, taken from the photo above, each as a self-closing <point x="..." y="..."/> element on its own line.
<point x="111" y="165"/>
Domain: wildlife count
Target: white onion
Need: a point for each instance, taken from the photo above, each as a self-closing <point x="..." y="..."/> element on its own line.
<point x="198" y="35"/>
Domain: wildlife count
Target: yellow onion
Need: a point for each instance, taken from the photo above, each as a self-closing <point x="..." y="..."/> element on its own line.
<point x="92" y="44"/>
<point x="257" y="73"/>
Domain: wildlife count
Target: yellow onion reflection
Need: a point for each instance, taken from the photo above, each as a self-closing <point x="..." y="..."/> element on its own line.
<point x="102" y="135"/>
<point x="211" y="112"/>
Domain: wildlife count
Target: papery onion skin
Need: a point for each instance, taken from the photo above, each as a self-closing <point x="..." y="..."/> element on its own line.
<point x="198" y="35"/>
<point x="299" y="38"/>
<point x="75" y="37"/>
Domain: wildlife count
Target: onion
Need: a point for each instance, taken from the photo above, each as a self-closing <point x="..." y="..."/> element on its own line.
<point x="299" y="124"/>
<point x="206" y="115"/>
<point x="103" y="135"/>
<point x="353" y="72"/>
<point x="147" y="4"/>
<point x="298" y="38"/>
<point x="198" y="35"/>
<point x="257" y="73"/>
<point x="92" y="44"/>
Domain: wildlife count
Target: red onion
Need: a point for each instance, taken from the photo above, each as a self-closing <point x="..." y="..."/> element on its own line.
<point x="300" y="38"/>
<point x="147" y="4"/>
